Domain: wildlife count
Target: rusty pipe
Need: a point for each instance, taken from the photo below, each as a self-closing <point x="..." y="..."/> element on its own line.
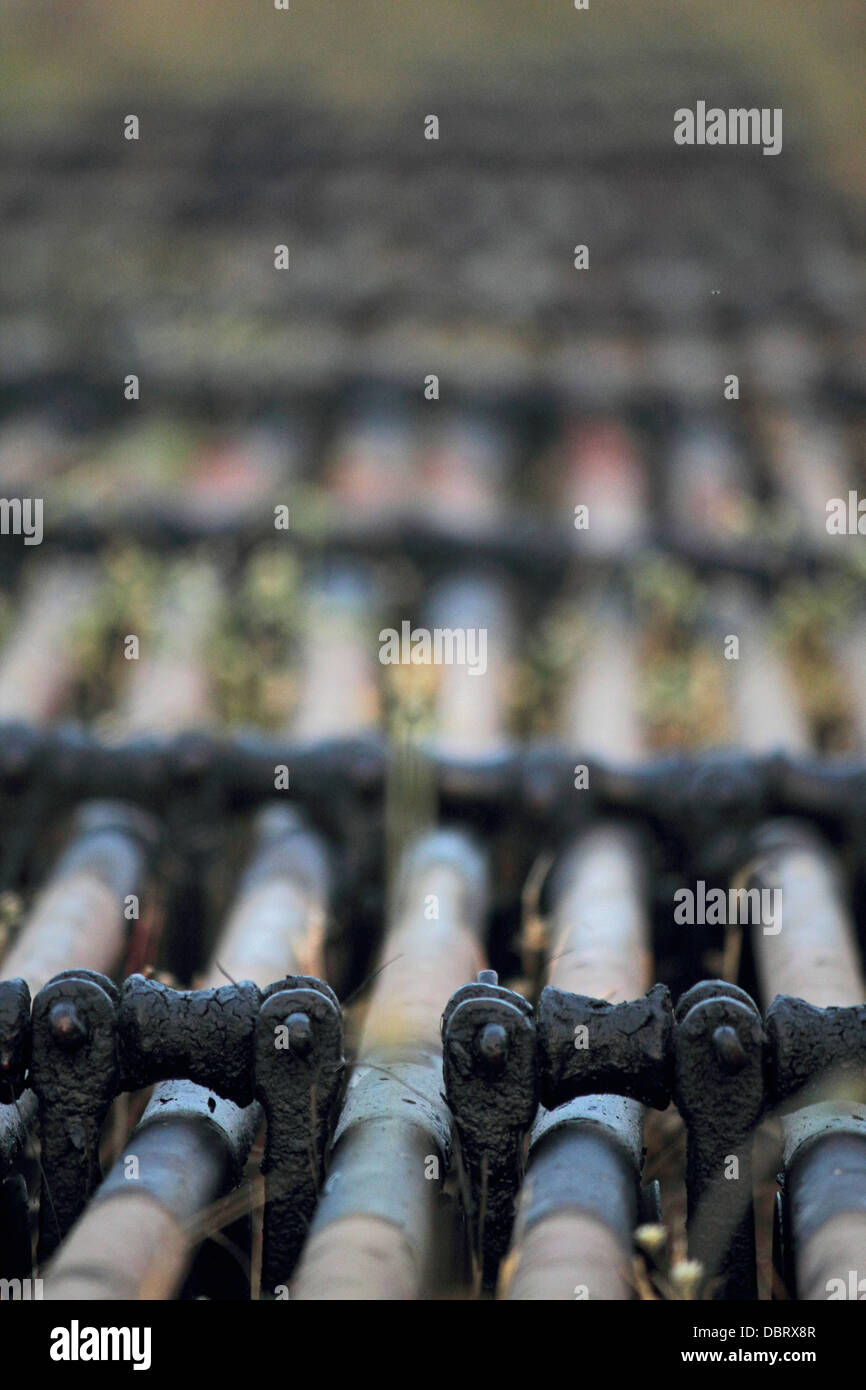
<point x="577" y="1208"/>
<point x="137" y="1237"/>
<point x="814" y="957"/>
<point x="374" y="1235"/>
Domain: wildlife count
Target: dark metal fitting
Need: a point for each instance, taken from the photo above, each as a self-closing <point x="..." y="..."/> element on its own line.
<point x="679" y="785"/>
<point x="68" y="1028"/>
<point x="330" y="768"/>
<point x="588" y="1047"/>
<point x="492" y="1044"/>
<point x="202" y="1035"/>
<point x="16" y="1122"/>
<point x="19" y="748"/>
<point x="708" y="1056"/>
<point x="15" y="1032"/>
<point x="85" y="766"/>
<point x="821" y="787"/>
<point x="192" y="756"/>
<point x="485" y="781"/>
<point x="15" y="1234"/>
<point x="812" y="1051"/>
<point x="299" y="1069"/>
<point x="300" y="1031"/>
<point x="719" y="1056"/>
<point x="729" y="1050"/>
<point x="713" y="797"/>
<point x="547" y="783"/>
<point x="74" y="1072"/>
<point x="491" y="1084"/>
<point x="282" y="1046"/>
<point x="705" y="804"/>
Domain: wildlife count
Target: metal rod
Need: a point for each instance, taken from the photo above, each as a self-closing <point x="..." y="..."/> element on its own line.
<point x="374" y="1235"/>
<point x="79" y="916"/>
<point x="338" y="676"/>
<point x="168" y="690"/>
<point x="813" y="957"/>
<point x="578" y="1205"/>
<point x="37" y="662"/>
<point x="190" y="1145"/>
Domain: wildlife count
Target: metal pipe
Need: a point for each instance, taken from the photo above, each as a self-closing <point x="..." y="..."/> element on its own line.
<point x="578" y="1205"/>
<point x="809" y="463"/>
<point x="765" y="712"/>
<point x="472" y="694"/>
<point x="168" y="690"/>
<point x="37" y="662"/>
<point x="813" y="957"/>
<point x="79" y="916"/>
<point x="138" y="1235"/>
<point x="338" y="686"/>
<point x="374" y="1235"/>
<point x="601" y="469"/>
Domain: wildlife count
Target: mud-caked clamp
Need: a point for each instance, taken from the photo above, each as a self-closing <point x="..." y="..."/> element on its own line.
<point x="74" y="1072"/>
<point x="491" y="1084"/>
<point x="708" y="1056"/>
<point x="281" y="1046"/>
<point x="299" y="1069"/>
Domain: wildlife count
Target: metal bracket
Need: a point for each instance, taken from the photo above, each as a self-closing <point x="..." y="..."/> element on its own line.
<point x="74" y="1072"/>
<point x="719" y="1046"/>
<point x="591" y="1047"/>
<point x="708" y="1056"/>
<point x="91" y="1042"/>
<point x="299" y="1068"/>
<point x="15" y="1034"/>
<point x="201" y="1035"/>
<point x="811" y="1047"/>
<point x="491" y="1084"/>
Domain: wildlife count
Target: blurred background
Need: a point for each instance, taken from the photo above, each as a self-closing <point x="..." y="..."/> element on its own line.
<point x="375" y="54"/>
<point x="431" y="358"/>
<point x="261" y="128"/>
<point x="312" y="388"/>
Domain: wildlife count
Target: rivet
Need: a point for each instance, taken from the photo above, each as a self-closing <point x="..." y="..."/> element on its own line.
<point x="67" y="1027"/>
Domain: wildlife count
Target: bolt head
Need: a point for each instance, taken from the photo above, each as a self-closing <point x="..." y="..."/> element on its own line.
<point x="10" y="1072"/>
<point x="493" y="1045"/>
<point x="68" y="1029"/>
<point x="728" y="1048"/>
<point x="300" y="1033"/>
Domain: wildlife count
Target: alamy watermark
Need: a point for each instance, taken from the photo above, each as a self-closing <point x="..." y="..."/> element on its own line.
<point x="77" y="1343"/>
<point x="846" y="517"/>
<point x="22" y="516"/>
<point x="439" y="646"/>
<point x="20" y="1290"/>
<point x="853" y="1288"/>
<point x="757" y="907"/>
<point x="739" y="125"/>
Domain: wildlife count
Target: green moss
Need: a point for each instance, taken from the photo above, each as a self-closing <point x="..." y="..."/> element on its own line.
<point x="253" y="649"/>
<point x="123" y="605"/>
<point x="808" y="620"/>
